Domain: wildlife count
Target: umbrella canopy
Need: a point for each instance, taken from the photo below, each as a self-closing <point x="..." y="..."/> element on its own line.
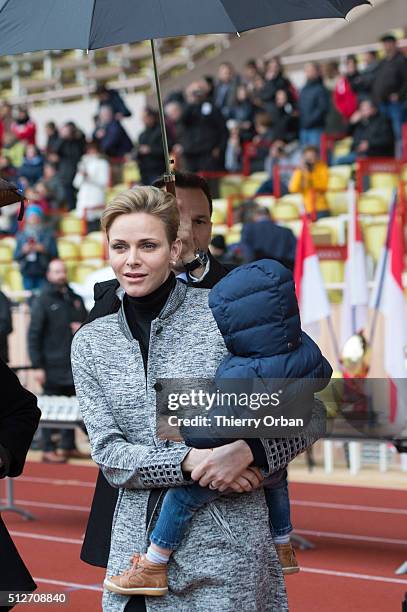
<point x="92" y="24"/>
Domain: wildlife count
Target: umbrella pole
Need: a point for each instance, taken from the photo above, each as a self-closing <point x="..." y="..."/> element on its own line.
<point x="169" y="177"/>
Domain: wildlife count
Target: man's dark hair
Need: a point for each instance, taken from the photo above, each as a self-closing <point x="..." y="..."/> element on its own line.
<point x="188" y="180"/>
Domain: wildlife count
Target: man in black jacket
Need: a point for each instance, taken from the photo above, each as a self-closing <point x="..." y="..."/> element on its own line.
<point x="56" y="315"/>
<point x="313" y="106"/>
<point x="6" y="326"/>
<point x="372" y="134"/>
<point x="390" y="85"/>
<point x="150" y="155"/>
<point x="19" y="417"/>
<point x="195" y="204"/>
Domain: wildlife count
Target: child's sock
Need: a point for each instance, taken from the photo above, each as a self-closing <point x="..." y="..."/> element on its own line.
<point x="154" y="556"/>
<point x="285" y="539"/>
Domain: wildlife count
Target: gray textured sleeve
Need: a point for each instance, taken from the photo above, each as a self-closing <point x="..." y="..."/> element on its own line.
<point x="125" y="465"/>
<point x="280" y="451"/>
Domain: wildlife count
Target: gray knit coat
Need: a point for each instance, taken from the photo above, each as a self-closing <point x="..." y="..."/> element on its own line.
<point x="227" y="559"/>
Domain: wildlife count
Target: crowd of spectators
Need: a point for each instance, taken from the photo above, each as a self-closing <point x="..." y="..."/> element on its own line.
<point x="253" y="120"/>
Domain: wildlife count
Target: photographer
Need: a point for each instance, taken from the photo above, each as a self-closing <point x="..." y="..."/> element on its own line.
<point x="203" y="134"/>
<point x="311" y="180"/>
<point x="19" y="418"/>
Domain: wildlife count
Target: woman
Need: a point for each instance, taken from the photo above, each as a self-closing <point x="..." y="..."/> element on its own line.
<point x="91" y="179"/>
<point x="166" y="330"/>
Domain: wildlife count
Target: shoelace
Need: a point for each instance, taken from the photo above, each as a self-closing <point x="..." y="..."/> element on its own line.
<point x="134" y="560"/>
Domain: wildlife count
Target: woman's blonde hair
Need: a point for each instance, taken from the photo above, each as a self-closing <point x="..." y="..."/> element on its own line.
<point x="149" y="200"/>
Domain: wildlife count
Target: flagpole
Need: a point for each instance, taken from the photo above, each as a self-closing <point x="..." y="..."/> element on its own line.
<point x="334" y="342"/>
<point x="379" y="292"/>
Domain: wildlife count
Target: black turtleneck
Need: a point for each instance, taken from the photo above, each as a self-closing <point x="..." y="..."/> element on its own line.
<point x="140" y="311"/>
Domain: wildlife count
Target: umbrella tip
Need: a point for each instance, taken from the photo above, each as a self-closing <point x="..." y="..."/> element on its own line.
<point x="238" y="34"/>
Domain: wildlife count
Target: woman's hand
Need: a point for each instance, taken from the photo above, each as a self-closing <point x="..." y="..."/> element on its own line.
<point x="195" y="458"/>
<point x="223" y="466"/>
<point x="249" y="480"/>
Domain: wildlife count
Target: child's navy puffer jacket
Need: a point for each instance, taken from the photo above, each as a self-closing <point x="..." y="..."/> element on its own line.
<point x="256" y="310"/>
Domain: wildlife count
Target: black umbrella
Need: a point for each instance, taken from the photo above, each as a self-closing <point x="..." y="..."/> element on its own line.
<point x="92" y="24"/>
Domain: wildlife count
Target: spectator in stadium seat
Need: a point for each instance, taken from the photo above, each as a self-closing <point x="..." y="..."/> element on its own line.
<point x="243" y="112"/>
<point x="203" y="131"/>
<point x="91" y="180"/>
<point x="149" y="152"/>
<point x="6" y="325"/>
<point x="263" y="239"/>
<point x="33" y="165"/>
<point x="372" y="134"/>
<point x="19" y="417"/>
<point x="23" y="127"/>
<point x="112" y="98"/>
<point x="335" y="123"/>
<point x="68" y="152"/>
<point x="368" y="75"/>
<point x="285" y="117"/>
<point x="390" y="86"/>
<point x="35" y="248"/>
<point x="56" y="315"/>
<point x="274" y="80"/>
<point x="54" y="185"/>
<point x="311" y="180"/>
<point x="313" y="106"/>
<point x="6" y="120"/>
<point x="51" y="131"/>
<point x="345" y="94"/>
<point x="111" y="135"/>
<point x="250" y="72"/>
<point x="225" y="90"/>
<point x="286" y="156"/>
<point x="263" y="137"/>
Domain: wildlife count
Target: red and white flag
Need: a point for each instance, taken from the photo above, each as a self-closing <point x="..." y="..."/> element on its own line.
<point x="392" y="303"/>
<point x="309" y="285"/>
<point x="355" y="294"/>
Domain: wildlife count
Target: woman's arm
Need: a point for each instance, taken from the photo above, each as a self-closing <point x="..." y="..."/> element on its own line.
<point x="125" y="465"/>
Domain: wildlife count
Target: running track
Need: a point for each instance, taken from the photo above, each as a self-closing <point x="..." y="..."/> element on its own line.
<point x="360" y="536"/>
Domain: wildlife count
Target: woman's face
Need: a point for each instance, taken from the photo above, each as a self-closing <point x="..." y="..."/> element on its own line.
<point x="140" y="254"/>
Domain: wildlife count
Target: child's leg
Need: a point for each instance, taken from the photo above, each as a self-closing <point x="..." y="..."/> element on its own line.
<point x="278" y="502"/>
<point x="177" y="509"/>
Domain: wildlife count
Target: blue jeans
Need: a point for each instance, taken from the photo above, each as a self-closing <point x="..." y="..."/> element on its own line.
<point x="180" y="504"/>
<point x="311" y="137"/>
<point x="31" y="283"/>
<point x="395" y="112"/>
<point x="345" y="160"/>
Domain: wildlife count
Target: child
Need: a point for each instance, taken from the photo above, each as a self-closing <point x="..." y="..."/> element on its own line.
<point x="256" y="310"/>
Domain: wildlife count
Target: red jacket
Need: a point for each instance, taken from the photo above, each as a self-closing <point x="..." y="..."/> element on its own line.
<point x="345" y="98"/>
<point x="24" y="131"/>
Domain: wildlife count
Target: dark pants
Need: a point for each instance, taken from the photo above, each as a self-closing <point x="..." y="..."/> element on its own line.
<point x="67" y="435"/>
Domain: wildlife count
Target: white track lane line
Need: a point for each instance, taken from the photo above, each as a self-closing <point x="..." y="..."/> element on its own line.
<point x="358" y="508"/>
<point x="57" y="481"/>
<point x="45" y="537"/>
<point x="315" y="570"/>
<point x="35" y="504"/>
<point x="349" y="536"/>
<point x="72" y="585"/>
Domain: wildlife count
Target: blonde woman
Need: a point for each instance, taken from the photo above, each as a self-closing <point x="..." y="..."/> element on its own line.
<point x="165" y="329"/>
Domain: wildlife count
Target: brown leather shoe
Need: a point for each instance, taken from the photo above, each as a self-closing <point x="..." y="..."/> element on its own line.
<point x="287" y="558"/>
<point x="52" y="457"/>
<point x="143" y="578"/>
<point x="73" y="453"/>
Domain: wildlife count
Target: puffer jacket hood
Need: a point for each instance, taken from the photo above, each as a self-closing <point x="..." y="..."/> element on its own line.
<point x="256" y="310"/>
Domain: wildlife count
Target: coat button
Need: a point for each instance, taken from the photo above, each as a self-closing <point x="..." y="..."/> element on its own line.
<point x="158" y="387"/>
<point x="158" y="330"/>
<point x="290" y="346"/>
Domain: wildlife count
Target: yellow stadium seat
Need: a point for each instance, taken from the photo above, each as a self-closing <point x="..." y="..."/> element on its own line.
<point x="71" y="266"/>
<point x="13" y="280"/>
<point x="292" y="198"/>
<point x="267" y="201"/>
<point x="232" y="237"/>
<point x="375" y="237"/>
<point x="337" y="182"/>
<point x="9" y="241"/>
<point x="91" y="249"/>
<point x="344" y="170"/>
<point x="230" y="186"/>
<point x="71" y="225"/>
<point x="220" y="208"/>
<point x="131" y="173"/>
<point x="337" y="202"/>
<point x="220" y="229"/>
<point x="98" y="236"/>
<point x="67" y="249"/>
<point x="250" y="186"/>
<point x="6" y="253"/>
<point x="260" y="176"/>
<point x="285" y="211"/>
<point x="321" y="234"/>
<point x="372" y="205"/>
<point x="380" y="180"/>
<point x="342" y="147"/>
<point x="94" y="262"/>
<point x="333" y="271"/>
<point x="82" y="272"/>
<point x="295" y="226"/>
